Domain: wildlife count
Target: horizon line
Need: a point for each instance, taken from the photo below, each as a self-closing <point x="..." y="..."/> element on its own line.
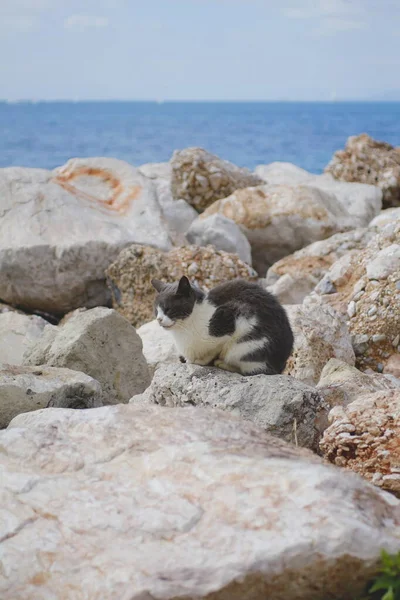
<point x="177" y="101"/>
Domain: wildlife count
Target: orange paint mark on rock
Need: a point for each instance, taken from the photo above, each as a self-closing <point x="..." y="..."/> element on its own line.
<point x="120" y="197"/>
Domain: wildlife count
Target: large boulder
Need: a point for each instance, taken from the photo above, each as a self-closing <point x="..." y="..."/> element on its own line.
<point x="320" y="333"/>
<point x="18" y="333"/>
<point x="222" y="233"/>
<point x="148" y="502"/>
<point x="75" y="221"/>
<point x="129" y="277"/>
<point x="200" y="178"/>
<point x="365" y="286"/>
<point x="279" y="219"/>
<point x="369" y="161"/>
<point x="362" y="201"/>
<point x="293" y="277"/>
<point x="281" y="405"/>
<point x="100" y="343"/>
<point x="364" y="437"/>
<point x="177" y="213"/>
<point x="24" y="389"/>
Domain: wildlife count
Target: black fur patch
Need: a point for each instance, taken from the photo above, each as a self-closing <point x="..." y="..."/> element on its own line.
<point x="222" y="322"/>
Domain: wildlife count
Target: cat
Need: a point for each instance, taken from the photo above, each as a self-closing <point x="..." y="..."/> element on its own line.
<point x="237" y="326"/>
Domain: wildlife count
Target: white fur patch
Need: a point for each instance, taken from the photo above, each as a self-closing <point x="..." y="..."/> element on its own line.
<point x="163" y="319"/>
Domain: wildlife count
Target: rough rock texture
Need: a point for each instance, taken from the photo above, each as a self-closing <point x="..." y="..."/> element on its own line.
<point x="392" y="366"/>
<point x="222" y="233"/>
<point x="75" y="221"/>
<point x="178" y="214"/>
<point x="158" y="345"/>
<point x="279" y="404"/>
<point x="148" y="502"/>
<point x="102" y="344"/>
<point x="364" y="437"/>
<point x="369" y="161"/>
<point x="367" y="290"/>
<point x="18" y="333"/>
<point x="279" y="219"/>
<point x="362" y="201"/>
<point x="23" y="389"/>
<point x="129" y="277"/>
<point x="296" y="275"/>
<point x="385" y="217"/>
<point x="200" y="178"/>
<point x="340" y="384"/>
<point x="320" y="334"/>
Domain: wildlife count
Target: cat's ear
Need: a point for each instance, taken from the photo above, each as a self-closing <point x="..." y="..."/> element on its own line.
<point x="158" y="285"/>
<point x="184" y="287"/>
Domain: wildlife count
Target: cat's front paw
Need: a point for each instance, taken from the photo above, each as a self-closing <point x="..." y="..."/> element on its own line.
<point x="220" y="364"/>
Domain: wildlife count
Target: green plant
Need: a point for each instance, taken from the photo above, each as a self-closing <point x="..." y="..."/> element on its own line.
<point x="386" y="585"/>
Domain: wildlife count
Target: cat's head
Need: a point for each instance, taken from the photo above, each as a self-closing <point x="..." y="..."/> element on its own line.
<point x="174" y="301"/>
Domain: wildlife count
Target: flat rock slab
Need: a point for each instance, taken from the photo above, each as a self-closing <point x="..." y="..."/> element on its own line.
<point x="23" y="389"/>
<point x="280" y="404"/>
<point x="138" y="503"/>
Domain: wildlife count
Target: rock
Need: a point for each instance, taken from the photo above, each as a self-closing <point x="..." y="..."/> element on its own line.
<point x="320" y="334"/>
<point x="385" y="217"/>
<point x="200" y="178"/>
<point x="18" y="333"/>
<point x="279" y="219"/>
<point x="102" y="344"/>
<point x="23" y="389"/>
<point x="340" y="384"/>
<point x="364" y="437"/>
<point x="371" y="279"/>
<point x="149" y="502"/>
<point x="362" y="201"/>
<point x="392" y="366"/>
<point x="368" y="161"/>
<point x="222" y="233"/>
<point x="178" y="214"/>
<point x="279" y="404"/>
<point x="158" y="345"/>
<point x="292" y="278"/>
<point x="129" y="277"/>
<point x="76" y="220"/>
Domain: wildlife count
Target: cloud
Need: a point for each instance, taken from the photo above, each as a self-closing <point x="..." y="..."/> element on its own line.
<point x="83" y="22"/>
<point x="332" y="16"/>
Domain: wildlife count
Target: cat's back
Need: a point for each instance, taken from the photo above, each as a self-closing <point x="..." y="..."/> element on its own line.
<point x="241" y="291"/>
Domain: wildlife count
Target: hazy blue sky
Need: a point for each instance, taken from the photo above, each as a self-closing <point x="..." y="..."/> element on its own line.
<point x="199" y="49"/>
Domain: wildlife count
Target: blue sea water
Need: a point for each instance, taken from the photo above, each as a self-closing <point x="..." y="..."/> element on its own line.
<point x="47" y="134"/>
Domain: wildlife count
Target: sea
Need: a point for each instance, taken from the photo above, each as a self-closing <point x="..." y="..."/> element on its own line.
<point x="47" y="134"/>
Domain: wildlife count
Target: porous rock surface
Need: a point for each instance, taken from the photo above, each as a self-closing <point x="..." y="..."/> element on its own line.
<point x="148" y="502"/>
<point x="59" y="230"/>
<point x="279" y="219"/>
<point x="364" y="437"/>
<point x="200" y="178"/>
<point x="279" y="404"/>
<point x="18" y="333"/>
<point x="366" y="288"/>
<point x="320" y="333"/>
<point x="293" y="277"/>
<point x="24" y="389"/>
<point x="369" y="161"/>
<point x="158" y="345"/>
<point x="100" y="343"/>
<point x="129" y="277"/>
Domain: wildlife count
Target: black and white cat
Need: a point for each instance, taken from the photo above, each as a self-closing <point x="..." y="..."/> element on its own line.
<point x="237" y="326"/>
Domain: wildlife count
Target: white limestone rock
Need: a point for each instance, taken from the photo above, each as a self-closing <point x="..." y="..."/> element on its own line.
<point x="149" y="502"/>
<point x="101" y="343"/>
<point x="158" y="345"/>
<point x="18" y="333"/>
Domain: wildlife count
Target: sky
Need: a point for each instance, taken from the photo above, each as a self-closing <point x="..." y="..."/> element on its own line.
<point x="199" y="49"/>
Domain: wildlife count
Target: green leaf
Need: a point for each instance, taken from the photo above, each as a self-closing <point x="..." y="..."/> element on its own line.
<point x="389" y="595"/>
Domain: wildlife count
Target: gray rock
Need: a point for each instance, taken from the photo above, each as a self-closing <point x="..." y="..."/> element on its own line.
<point x="158" y="345"/>
<point x="386" y="262"/>
<point x="59" y="230"/>
<point x="279" y="404"/>
<point x="200" y="178"/>
<point x="102" y="344"/>
<point x="222" y="233"/>
<point x="148" y="502"/>
<point x="24" y="389"/>
<point x="18" y="333"/>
